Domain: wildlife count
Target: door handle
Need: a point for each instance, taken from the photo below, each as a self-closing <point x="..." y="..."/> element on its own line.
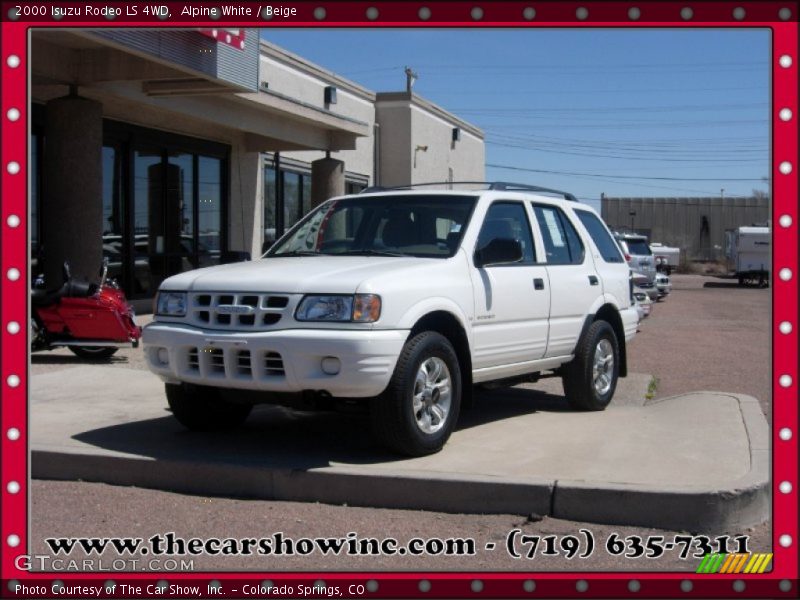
<point x="538" y="284"/>
<point x="593" y="280"/>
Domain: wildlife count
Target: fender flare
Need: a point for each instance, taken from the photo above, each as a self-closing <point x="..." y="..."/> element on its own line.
<point x="606" y="300"/>
<point x="434" y="304"/>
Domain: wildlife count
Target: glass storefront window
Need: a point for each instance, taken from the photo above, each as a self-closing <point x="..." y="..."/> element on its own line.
<point x="113" y="217"/>
<point x="284" y="208"/>
<point x="148" y="223"/>
<point x="292" y="198"/>
<point x="179" y="205"/>
<point x="164" y="199"/>
<point x="306" y="193"/>
<point x="209" y="218"/>
<point x="34" y="200"/>
<point x="270" y="204"/>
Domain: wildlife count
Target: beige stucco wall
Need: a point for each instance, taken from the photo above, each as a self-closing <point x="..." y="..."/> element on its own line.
<point x="405" y="129"/>
<point x="309" y="86"/>
<point x="465" y="157"/>
<point x="395" y="139"/>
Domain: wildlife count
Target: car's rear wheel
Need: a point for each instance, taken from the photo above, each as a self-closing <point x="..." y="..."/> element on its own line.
<point x="419" y="409"/>
<point x="590" y="379"/>
<point x="202" y="408"/>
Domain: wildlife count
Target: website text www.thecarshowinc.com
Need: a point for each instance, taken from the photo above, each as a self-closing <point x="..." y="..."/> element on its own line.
<point x="139" y="553"/>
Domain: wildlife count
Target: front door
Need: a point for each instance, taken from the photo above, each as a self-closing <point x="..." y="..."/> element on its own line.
<point x="512" y="302"/>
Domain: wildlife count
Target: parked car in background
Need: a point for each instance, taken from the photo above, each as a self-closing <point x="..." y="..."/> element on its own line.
<point x="644" y="306"/>
<point x="646" y="285"/>
<point x="663" y="285"/>
<point x="638" y="255"/>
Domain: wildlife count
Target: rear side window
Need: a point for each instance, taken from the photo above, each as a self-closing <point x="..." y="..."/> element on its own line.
<point x="561" y="242"/>
<point x="602" y="238"/>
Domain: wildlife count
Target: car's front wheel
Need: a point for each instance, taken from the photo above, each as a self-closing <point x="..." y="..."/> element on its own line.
<point x="418" y="410"/>
<point x="93" y="352"/>
<point x="590" y="379"/>
<point x="202" y="408"/>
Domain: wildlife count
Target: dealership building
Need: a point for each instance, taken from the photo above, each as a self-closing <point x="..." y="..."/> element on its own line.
<point x="167" y="150"/>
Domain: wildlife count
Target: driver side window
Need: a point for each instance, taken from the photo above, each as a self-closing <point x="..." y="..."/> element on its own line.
<point x="508" y="220"/>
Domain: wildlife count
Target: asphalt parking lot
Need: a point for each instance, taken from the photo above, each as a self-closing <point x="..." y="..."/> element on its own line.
<point x="708" y="335"/>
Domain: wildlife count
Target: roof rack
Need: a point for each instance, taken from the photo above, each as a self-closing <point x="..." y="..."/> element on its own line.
<point x="491" y="185"/>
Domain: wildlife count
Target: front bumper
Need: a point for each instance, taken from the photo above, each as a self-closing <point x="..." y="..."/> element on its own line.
<point x="279" y="361"/>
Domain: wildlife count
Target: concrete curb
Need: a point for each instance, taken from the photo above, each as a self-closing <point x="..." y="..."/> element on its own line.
<point x="453" y="493"/>
<point x="743" y="503"/>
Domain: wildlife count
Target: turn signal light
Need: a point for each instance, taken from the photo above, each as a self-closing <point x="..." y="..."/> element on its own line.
<point x="366" y="308"/>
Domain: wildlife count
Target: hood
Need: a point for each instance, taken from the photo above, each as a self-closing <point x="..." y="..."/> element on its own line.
<point x="292" y="275"/>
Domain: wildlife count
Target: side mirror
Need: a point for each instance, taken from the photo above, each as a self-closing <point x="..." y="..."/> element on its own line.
<point x="499" y="251"/>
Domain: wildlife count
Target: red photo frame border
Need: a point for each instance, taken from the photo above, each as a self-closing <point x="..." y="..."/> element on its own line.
<point x="782" y="581"/>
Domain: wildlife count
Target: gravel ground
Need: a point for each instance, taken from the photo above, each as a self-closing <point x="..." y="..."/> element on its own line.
<point x="708" y="335"/>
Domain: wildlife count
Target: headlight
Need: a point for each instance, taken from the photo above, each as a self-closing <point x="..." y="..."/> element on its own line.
<point x="362" y="308"/>
<point x="171" y="304"/>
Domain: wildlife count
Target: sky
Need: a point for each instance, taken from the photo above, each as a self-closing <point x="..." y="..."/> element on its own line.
<point x="625" y="112"/>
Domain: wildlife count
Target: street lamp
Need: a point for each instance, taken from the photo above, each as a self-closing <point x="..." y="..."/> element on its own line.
<point x="632" y="214"/>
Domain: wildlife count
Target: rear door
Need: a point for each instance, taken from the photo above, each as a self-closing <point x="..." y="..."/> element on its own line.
<point x="608" y="259"/>
<point x="512" y="301"/>
<point x="575" y="285"/>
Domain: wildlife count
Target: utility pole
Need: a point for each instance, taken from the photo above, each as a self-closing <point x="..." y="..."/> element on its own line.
<point x="411" y="77"/>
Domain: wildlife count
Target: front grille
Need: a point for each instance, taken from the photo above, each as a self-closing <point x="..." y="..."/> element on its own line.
<point x="273" y="363"/>
<point x="217" y="362"/>
<point x="233" y="363"/>
<point x="237" y="312"/>
<point x="243" y="366"/>
<point x="193" y="362"/>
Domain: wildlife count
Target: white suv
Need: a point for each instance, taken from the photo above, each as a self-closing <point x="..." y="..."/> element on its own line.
<point x="406" y="298"/>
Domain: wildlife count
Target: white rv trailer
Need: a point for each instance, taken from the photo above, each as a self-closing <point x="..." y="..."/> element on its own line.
<point x="748" y="251"/>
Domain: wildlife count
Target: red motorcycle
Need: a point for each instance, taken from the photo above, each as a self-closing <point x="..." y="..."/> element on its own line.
<point x="92" y="320"/>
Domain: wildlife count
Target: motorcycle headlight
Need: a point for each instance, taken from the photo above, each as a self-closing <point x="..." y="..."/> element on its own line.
<point x="362" y="308"/>
<point x="171" y="304"/>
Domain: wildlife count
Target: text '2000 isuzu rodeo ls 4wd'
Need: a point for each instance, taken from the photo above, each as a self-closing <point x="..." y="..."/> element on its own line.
<point x="401" y="301"/>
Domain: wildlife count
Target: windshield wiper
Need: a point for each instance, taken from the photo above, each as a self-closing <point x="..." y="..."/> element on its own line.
<point x="371" y="253"/>
<point x="296" y="253"/>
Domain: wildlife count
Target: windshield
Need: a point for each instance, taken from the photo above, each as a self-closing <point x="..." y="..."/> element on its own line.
<point x="371" y="225"/>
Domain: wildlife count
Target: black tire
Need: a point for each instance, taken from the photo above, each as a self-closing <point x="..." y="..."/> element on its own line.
<point x="392" y="414"/>
<point x="93" y="352"/>
<point x="202" y="408"/>
<point x="578" y="376"/>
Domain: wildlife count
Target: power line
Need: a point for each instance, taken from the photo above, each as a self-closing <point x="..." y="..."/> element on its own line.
<point x="720" y="148"/>
<point x="642" y="158"/>
<point x="596" y="109"/>
<point x="517" y="92"/>
<point x="552" y="172"/>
